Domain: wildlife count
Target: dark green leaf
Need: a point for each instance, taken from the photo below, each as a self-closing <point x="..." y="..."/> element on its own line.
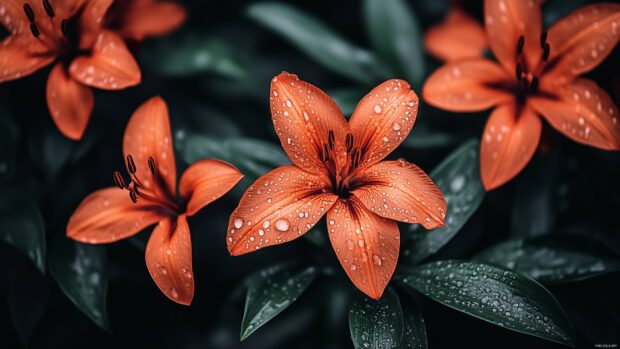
<point x="316" y="40"/>
<point x="496" y="295"/>
<point x="376" y="323"/>
<point x="21" y="224"/>
<point x="81" y="272"/>
<point x="347" y="100"/>
<point x="458" y="178"/>
<point x="270" y="292"/>
<point x="395" y="34"/>
<point x="554" y="258"/>
<point x="27" y="298"/>
<point x="50" y="151"/>
<point x="425" y="137"/>
<point x="187" y="55"/>
<point x="316" y="236"/>
<point x="414" y="333"/>
<point x="9" y="134"/>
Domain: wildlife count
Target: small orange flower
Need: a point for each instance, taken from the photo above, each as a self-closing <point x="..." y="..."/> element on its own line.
<point x="338" y="171"/>
<point x="538" y="74"/>
<point x="138" y="19"/>
<point x="86" y="55"/>
<point x="112" y="214"/>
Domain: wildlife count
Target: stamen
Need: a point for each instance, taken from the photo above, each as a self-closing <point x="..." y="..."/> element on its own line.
<point x="29" y="13"/>
<point x="543" y="39"/>
<point x="131" y="166"/>
<point x="133" y="196"/>
<point x="520" y="44"/>
<point x="34" y="30"/>
<point x="349" y="142"/>
<point x="534" y="85"/>
<point x="519" y="70"/>
<point x="152" y="165"/>
<point x="48" y="9"/>
<point x="546" y="52"/>
<point x="330" y="139"/>
<point x="135" y="188"/>
<point x="118" y="180"/>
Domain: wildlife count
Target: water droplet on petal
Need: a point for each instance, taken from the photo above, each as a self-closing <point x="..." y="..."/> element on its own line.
<point x="238" y="223"/>
<point x="282" y="225"/>
<point x="377" y="108"/>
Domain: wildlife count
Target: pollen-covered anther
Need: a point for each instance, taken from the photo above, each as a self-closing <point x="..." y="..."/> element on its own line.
<point x="520" y="44"/>
<point x="546" y="52"/>
<point x="34" y="30"/>
<point x="48" y="9"/>
<point x="118" y="180"/>
<point x="133" y="196"/>
<point x="152" y="165"/>
<point x="519" y="71"/>
<point x="131" y="166"/>
<point x="29" y="13"/>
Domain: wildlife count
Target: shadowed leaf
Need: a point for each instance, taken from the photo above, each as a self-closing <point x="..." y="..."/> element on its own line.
<point x="376" y="324"/>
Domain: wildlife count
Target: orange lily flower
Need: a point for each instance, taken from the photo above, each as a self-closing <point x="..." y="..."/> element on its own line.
<point x="116" y="213"/>
<point x="70" y="34"/>
<point x="338" y="171"/>
<point x="138" y="19"/>
<point x="537" y="75"/>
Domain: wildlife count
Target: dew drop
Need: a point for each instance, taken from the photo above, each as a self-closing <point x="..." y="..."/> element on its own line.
<point x="331" y="222"/>
<point x="282" y="225"/>
<point x="377" y="108"/>
<point x="396" y="126"/>
<point x="238" y="223"/>
<point x="376" y="259"/>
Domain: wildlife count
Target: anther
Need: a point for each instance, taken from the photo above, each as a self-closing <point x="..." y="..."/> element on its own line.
<point x="133" y="196"/>
<point x="64" y="27"/>
<point x="48" y="9"/>
<point x="29" y="13"/>
<point x="131" y="166"/>
<point x="519" y="70"/>
<point x="534" y="84"/>
<point x="546" y="52"/>
<point x="135" y="188"/>
<point x="520" y="44"/>
<point x="543" y="39"/>
<point x="118" y="180"/>
<point x="34" y="30"/>
<point x="349" y="142"/>
<point x="330" y="139"/>
<point x="152" y="165"/>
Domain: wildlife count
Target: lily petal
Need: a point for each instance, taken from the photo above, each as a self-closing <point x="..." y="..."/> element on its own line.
<point x="12" y="16"/>
<point x="91" y="21"/>
<point x="383" y="119"/>
<point x="584" y="113"/>
<point x="582" y="40"/>
<point x="510" y="139"/>
<point x="366" y="245"/>
<point x="506" y="21"/>
<point x="401" y="191"/>
<point x="148" y="135"/>
<point x="471" y="84"/>
<point x="303" y="115"/>
<point x="21" y="55"/>
<point x="458" y="36"/>
<point x="279" y="207"/>
<point x="70" y="103"/>
<point x="205" y="181"/>
<point x="137" y="19"/>
<point x="169" y="259"/>
<point x="110" y="66"/>
<point x="108" y="215"/>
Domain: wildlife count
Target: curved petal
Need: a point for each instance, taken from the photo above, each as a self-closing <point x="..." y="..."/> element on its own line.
<point x="12" y="16"/>
<point x="584" y="113"/>
<point x="279" y="207"/>
<point x="458" y="36"/>
<point x="206" y="181"/>
<point x="136" y="20"/>
<point x="506" y="21"/>
<point x="383" y="119"/>
<point x="109" y="67"/>
<point x="148" y="135"/>
<point x="401" y="191"/>
<point x="582" y="40"/>
<point x="510" y="139"/>
<point x="108" y="215"/>
<point x="302" y="116"/>
<point x="21" y="55"/>
<point x="366" y="245"/>
<point x="169" y="259"/>
<point x="69" y="102"/>
<point x="472" y="84"/>
<point x="91" y="20"/>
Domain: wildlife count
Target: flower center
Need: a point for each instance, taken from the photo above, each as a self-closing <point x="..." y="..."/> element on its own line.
<point x="58" y="36"/>
<point x="341" y="176"/>
<point x="527" y="81"/>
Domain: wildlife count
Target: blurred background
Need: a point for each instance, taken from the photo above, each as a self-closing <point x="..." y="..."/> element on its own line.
<point x="214" y="73"/>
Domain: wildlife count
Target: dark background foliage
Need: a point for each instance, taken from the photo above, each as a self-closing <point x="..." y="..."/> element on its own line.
<point x="567" y="188"/>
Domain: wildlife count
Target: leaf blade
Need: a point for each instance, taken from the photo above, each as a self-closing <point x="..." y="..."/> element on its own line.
<point x="376" y="324"/>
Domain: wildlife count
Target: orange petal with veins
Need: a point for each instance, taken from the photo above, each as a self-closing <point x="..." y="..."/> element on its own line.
<point x="383" y="119"/>
<point x="169" y="259"/>
<point x="69" y="102"/>
<point x="21" y="55"/>
<point x="205" y="181"/>
<point x="108" y="215"/>
<point x="109" y="67"/>
<point x="510" y="139"/>
<point x="366" y="245"/>
<point x="458" y="36"/>
<point x="91" y="21"/>
<point x="401" y="191"/>
<point x="138" y="19"/>
<point x="584" y="113"/>
<point x="472" y="84"/>
<point x="279" y="207"/>
<point x="302" y="116"/>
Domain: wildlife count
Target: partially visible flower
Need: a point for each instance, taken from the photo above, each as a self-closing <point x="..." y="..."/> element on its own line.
<point x="338" y="171"/>
<point x="538" y="75"/>
<point x="69" y="34"/>
<point x="139" y="19"/>
<point x="116" y="213"/>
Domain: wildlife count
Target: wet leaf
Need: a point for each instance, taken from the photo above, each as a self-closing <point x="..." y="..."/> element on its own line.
<point x="458" y="178"/>
<point x="50" y="151"/>
<point x="414" y="332"/>
<point x="21" y="224"/>
<point x="554" y="258"/>
<point x="186" y="55"/>
<point x="81" y="272"/>
<point x="376" y="323"/>
<point x="347" y="99"/>
<point x="496" y="295"/>
<point x="395" y="34"/>
<point x="316" y="236"/>
<point x="271" y="291"/>
<point x="9" y="134"/>
<point x="316" y="40"/>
